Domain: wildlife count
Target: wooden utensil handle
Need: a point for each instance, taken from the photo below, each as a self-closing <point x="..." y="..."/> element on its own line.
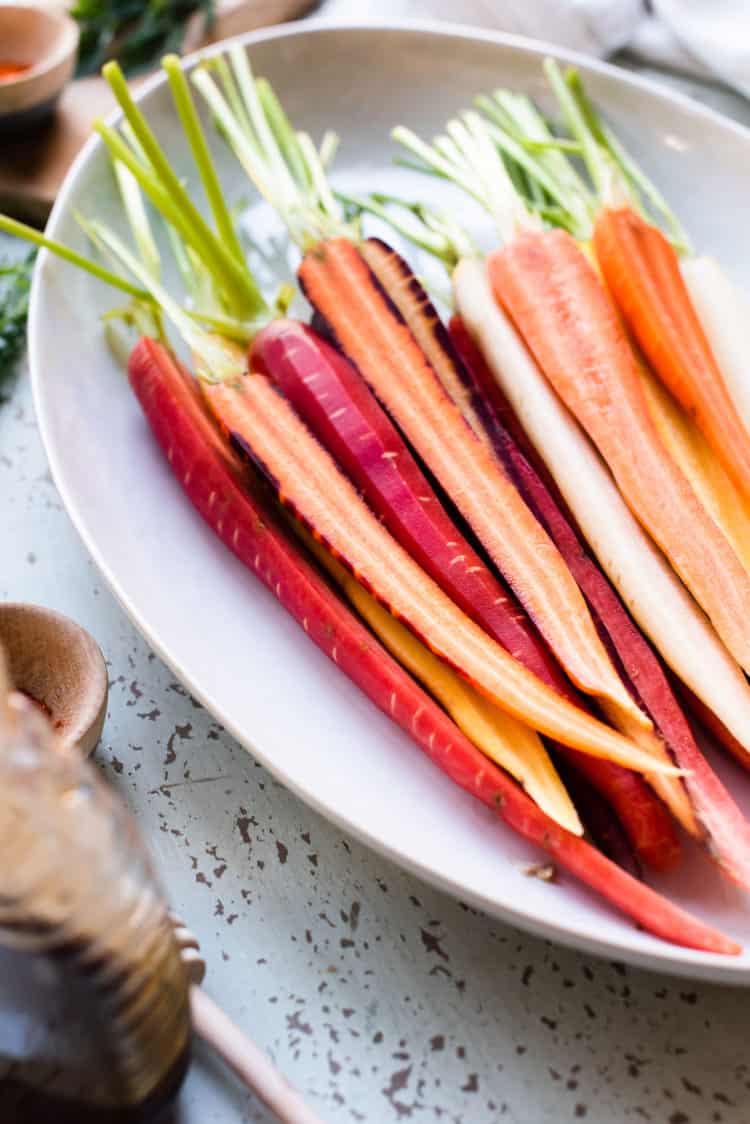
<point x="249" y="1063"/>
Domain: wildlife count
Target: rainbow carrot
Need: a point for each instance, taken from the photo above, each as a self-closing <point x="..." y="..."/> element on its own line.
<point x="210" y="476"/>
<point x="341" y="287"/>
<point x="309" y="483"/>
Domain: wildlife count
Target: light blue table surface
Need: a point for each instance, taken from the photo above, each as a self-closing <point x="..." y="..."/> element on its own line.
<point x="380" y="998"/>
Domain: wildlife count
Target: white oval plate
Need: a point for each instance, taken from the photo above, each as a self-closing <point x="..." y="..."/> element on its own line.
<point x="225" y="637"/>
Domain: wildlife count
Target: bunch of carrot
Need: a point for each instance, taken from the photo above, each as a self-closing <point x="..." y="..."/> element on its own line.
<point x="378" y="481"/>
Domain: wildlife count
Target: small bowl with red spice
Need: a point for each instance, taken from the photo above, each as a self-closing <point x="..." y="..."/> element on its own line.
<point x="58" y="666"/>
<point x="38" y="48"/>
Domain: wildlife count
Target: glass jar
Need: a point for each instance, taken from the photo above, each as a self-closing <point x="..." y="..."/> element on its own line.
<point x="94" y="1004"/>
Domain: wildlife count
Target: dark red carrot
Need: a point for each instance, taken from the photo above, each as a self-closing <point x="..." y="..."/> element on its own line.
<point x="722" y="824"/>
<point x="598" y="818"/>
<point x="497" y="408"/>
<point x="308" y="481"/>
<point x="251" y="529"/>
<point x="341" y="286"/>
<point x="643" y="273"/>
<point x="341" y="411"/>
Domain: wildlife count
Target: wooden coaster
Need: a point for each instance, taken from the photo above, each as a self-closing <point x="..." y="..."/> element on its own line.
<point x="33" y="168"/>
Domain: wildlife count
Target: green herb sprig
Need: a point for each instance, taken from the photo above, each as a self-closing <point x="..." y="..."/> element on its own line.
<point x="134" y="32"/>
<point x="15" y="284"/>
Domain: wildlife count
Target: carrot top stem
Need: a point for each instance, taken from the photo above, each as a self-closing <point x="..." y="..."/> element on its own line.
<point x="283" y="164"/>
<point x="193" y="130"/>
<point x="617" y="177"/>
<point x="29" y="234"/>
<point x="171" y="196"/>
<point x="430" y="228"/>
<point x="467" y="155"/>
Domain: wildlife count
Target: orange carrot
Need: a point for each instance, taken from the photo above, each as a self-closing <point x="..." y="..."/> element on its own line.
<point x="310" y="484"/>
<point x="643" y="273"/>
<point x="723" y="500"/>
<point x="564" y="314"/>
<point x="341" y="287"/>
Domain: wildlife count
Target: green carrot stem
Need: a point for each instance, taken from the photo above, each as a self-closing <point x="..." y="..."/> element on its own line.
<point x="416" y="166"/>
<point x="236" y="282"/>
<point x="267" y="141"/>
<point x="201" y="154"/>
<point x="138" y="218"/>
<point x="242" y="142"/>
<point x="328" y="148"/>
<point x="231" y="92"/>
<point x="593" y="157"/>
<point x="417" y="232"/>
<point x="159" y="196"/>
<point x="283" y="131"/>
<point x="208" y="349"/>
<point x="547" y="167"/>
<point x="633" y="172"/>
<point x="29" y="234"/>
<point x="556" y="144"/>
<point x="324" y="197"/>
<point x="432" y="160"/>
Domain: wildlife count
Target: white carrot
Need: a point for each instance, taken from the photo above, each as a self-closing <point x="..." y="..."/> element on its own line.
<point x="651" y="591"/>
<point x="724" y="313"/>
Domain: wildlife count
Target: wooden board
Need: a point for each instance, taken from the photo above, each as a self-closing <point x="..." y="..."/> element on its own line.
<point x="33" y="167"/>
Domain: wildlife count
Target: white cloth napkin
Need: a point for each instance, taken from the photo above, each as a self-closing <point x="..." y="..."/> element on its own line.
<point x="703" y="37"/>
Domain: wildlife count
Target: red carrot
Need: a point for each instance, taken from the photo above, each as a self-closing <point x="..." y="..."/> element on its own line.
<point x="334" y="402"/>
<point x="643" y="273"/>
<point x="252" y="531"/>
<point x="499" y="409"/>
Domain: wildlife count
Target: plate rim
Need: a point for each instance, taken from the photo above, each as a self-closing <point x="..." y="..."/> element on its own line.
<point x="667" y="958"/>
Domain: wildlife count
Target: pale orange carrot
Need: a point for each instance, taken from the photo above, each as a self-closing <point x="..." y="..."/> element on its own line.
<point x="567" y="320"/>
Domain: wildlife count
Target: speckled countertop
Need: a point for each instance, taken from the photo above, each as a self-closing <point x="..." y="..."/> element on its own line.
<point x="380" y="998"/>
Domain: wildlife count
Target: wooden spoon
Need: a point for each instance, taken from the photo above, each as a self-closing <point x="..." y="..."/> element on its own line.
<point x="57" y="664"/>
<point x="247" y="1060"/>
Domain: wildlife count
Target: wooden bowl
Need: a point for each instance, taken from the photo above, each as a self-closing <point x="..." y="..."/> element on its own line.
<point x="47" y="42"/>
<point x="56" y="663"/>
